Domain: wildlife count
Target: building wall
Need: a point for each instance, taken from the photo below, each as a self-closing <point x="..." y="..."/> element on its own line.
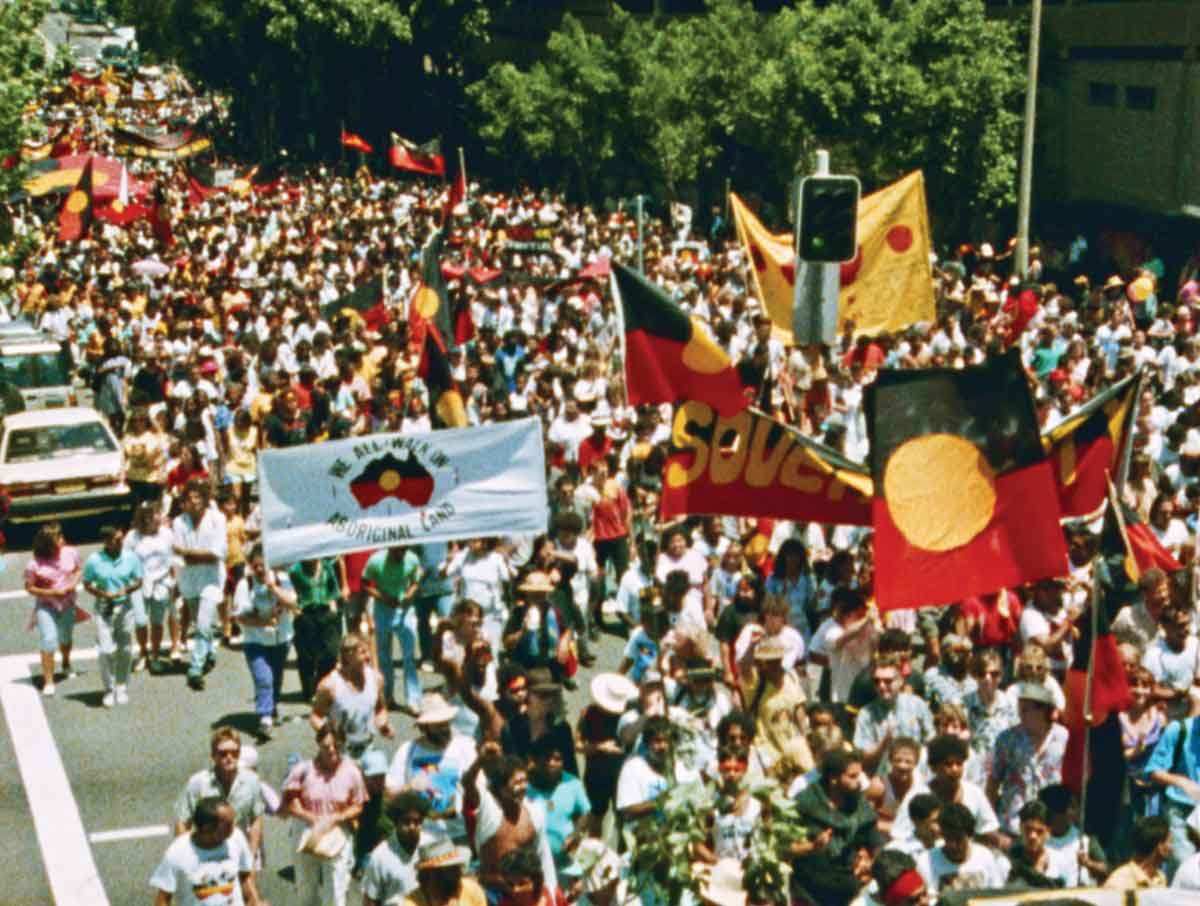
<point x="1120" y="119"/>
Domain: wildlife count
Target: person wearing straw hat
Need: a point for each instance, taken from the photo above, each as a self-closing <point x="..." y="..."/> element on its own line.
<point x="441" y="877"/>
<point x="603" y="754"/>
<point x="434" y="764"/>
<point x="721" y="884"/>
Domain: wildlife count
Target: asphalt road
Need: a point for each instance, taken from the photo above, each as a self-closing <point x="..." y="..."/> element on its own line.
<point x="126" y="765"/>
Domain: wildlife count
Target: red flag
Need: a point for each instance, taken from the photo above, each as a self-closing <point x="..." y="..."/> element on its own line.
<point x="357" y="142"/>
<point x="75" y="217"/>
<point x="458" y="189"/>
<point x="427" y="158"/>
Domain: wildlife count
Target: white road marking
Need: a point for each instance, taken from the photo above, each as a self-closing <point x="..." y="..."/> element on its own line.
<point x="66" y="854"/>
<point x="129" y="833"/>
<point x="13" y="595"/>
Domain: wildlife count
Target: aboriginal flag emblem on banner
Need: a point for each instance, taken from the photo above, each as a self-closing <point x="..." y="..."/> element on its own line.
<point x="965" y="501"/>
<point x="669" y="356"/>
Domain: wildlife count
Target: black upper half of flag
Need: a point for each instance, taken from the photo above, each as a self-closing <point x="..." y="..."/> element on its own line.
<point x="989" y="405"/>
<point x="647" y="308"/>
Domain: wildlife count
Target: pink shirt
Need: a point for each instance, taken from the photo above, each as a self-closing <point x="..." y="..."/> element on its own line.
<point x="323" y="794"/>
<point x="53" y="572"/>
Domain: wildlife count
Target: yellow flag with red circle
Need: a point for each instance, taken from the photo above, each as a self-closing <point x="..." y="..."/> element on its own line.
<point x="887" y="287"/>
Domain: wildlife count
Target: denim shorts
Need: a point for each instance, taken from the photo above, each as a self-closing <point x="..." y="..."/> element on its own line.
<point x="55" y="628"/>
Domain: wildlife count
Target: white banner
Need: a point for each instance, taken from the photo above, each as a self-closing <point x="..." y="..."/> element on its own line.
<point x="384" y="490"/>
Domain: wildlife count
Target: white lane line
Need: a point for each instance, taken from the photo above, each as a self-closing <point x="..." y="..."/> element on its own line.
<point x="14" y="594"/>
<point x="66" y="854"/>
<point x="129" y="833"/>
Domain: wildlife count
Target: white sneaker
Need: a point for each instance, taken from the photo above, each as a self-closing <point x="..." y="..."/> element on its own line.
<point x="139" y="663"/>
<point x="122" y="695"/>
<point x="110" y="699"/>
<point x="48" y="690"/>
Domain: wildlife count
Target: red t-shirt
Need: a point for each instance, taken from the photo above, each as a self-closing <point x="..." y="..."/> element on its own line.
<point x="610" y="516"/>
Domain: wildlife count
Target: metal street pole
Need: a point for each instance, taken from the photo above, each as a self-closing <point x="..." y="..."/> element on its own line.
<point x="641" y="262"/>
<point x="815" y="296"/>
<point x="1026" y="187"/>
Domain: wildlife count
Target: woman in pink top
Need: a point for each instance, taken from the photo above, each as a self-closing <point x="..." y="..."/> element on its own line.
<point x="51" y="577"/>
<point x="323" y="796"/>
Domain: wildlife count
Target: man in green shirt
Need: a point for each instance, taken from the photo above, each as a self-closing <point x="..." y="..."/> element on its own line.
<point x="391" y="578"/>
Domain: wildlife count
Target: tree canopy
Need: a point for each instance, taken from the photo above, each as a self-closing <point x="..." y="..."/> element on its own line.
<point x="22" y="75"/>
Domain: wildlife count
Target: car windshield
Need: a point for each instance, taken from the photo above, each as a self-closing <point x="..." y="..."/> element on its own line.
<point x="56" y="441"/>
<point x="29" y="370"/>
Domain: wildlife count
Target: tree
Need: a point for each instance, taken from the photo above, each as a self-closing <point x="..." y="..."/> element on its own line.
<point x="22" y="76"/>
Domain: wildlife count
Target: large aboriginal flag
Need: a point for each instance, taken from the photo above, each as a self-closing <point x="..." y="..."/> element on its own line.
<point x="965" y="502"/>
<point x="1089" y="445"/>
<point x="431" y="299"/>
<point x="75" y="216"/>
<point x="668" y="356"/>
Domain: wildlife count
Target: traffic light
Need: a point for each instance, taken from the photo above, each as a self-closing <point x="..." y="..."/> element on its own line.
<point x="828" y="218"/>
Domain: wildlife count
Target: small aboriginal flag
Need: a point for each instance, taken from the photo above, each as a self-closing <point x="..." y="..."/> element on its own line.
<point x="75" y="217"/>
<point x="357" y="142"/>
<point x="1091" y="444"/>
<point x="669" y="356"/>
<point x="965" y="501"/>
<point x="389" y="476"/>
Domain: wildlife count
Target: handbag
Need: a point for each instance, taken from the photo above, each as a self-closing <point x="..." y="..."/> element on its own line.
<point x="328" y="845"/>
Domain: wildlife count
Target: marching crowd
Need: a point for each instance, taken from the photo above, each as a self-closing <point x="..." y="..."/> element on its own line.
<point x="919" y="752"/>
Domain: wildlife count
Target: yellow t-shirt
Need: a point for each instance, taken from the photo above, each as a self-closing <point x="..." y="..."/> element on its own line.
<point x="470" y="894"/>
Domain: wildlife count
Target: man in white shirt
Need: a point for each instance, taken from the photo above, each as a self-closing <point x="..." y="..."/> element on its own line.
<point x="644" y="778"/>
<point x="212" y="864"/>
<point x="960" y="863"/>
<point x="201" y="542"/>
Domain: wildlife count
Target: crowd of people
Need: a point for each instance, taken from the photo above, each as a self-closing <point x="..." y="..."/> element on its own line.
<point x="919" y="753"/>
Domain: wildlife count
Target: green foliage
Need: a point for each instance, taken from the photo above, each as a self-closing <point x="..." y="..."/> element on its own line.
<point x="682" y="103"/>
<point x="22" y="75"/>
<point x="664" y="843"/>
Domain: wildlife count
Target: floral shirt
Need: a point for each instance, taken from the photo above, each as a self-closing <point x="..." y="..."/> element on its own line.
<point x="1021" y="772"/>
<point x="941" y="687"/>
<point x="907" y="716"/>
<point x="987" y="723"/>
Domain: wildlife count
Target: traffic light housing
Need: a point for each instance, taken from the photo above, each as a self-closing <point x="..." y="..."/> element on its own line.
<point x="828" y="218"/>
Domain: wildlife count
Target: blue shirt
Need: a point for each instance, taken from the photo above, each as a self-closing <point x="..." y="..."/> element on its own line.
<point x="1163" y="758"/>
<point x="563" y="805"/>
<point x="112" y="574"/>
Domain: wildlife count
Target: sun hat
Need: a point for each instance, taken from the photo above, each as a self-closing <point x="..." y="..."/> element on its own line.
<point x="613" y="692"/>
<point x="601" y="420"/>
<point x="598" y="864"/>
<point x="1035" y="692"/>
<point x="722" y="883"/>
<point x="770" y="650"/>
<point x="1114" y="282"/>
<point x="441" y="853"/>
<point x="435" y="709"/>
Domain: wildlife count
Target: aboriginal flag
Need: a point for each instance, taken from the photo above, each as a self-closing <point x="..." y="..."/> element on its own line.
<point x="965" y="502"/>
<point x="669" y="356"/>
<point x="357" y="142"/>
<point x="1096" y="657"/>
<point x="431" y="300"/>
<point x="389" y="476"/>
<point x="365" y="301"/>
<point x="1091" y="444"/>
<point x="75" y="217"/>
<point x="446" y="407"/>
<point x="426" y="158"/>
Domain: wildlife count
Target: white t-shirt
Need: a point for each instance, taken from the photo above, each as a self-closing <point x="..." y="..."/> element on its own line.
<point x="791" y="640"/>
<point x="638" y="782"/>
<point x="973" y="799"/>
<point x="846" y="662"/>
<point x="204" y="877"/>
<point x="692" y="562"/>
<point x="438" y="775"/>
<point x="1187" y="876"/>
<point x="1177" y="669"/>
<point x="1035" y="625"/>
<point x="980" y="871"/>
<point x="391" y="873"/>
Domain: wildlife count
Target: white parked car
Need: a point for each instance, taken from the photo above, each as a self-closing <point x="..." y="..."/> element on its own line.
<point x="61" y="462"/>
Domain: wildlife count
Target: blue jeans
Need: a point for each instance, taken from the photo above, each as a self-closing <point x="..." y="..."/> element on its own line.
<point x="401" y="622"/>
<point x="205" y="612"/>
<point x="266" y="664"/>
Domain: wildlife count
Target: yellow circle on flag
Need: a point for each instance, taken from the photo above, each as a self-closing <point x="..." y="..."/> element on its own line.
<point x="940" y="491"/>
<point x="702" y="354"/>
<point x="427" y="302"/>
<point x="389" y="480"/>
<point x="77" y="202"/>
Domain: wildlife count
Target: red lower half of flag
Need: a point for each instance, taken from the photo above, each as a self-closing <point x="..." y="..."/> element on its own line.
<point x="663" y="370"/>
<point x="1020" y="542"/>
<point x="1148" y="550"/>
<point x="1083" y="482"/>
<point x="1110" y="694"/>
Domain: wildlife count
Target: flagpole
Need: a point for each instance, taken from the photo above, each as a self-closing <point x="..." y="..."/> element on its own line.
<point x="1087" y="699"/>
<point x="462" y="168"/>
<point x="641" y="256"/>
<point x="615" y="292"/>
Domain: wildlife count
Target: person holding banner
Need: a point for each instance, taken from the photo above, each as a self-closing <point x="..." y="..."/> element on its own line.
<point x="392" y="578"/>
